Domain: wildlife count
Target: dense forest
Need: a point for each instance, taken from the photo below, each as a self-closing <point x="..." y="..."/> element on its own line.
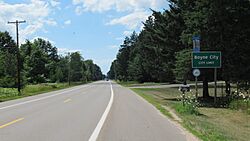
<point x="161" y="52"/>
<point x="41" y="63"/>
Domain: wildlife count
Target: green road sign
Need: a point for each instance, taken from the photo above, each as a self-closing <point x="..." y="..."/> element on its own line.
<point x="206" y="60"/>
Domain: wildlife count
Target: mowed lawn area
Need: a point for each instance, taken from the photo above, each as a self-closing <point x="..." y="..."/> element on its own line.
<point x="211" y="124"/>
<point x="29" y="90"/>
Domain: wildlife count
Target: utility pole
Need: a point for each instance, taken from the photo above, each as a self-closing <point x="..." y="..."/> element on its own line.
<point x="69" y="68"/>
<point x="18" y="55"/>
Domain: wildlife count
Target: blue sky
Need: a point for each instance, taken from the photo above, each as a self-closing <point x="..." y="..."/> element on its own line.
<point x="96" y="28"/>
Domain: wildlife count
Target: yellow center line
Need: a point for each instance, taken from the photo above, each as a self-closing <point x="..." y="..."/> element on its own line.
<point x="12" y="122"/>
<point x="68" y="100"/>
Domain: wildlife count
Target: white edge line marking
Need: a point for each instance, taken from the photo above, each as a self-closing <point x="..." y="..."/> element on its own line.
<point x="98" y="128"/>
<point x="39" y="99"/>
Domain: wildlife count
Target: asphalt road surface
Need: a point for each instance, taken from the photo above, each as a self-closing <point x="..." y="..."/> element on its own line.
<point x="102" y="111"/>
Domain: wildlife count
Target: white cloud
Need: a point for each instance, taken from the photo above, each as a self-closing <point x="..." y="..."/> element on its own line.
<point x="113" y="47"/>
<point x="131" y="21"/>
<point x="138" y="10"/>
<point x="79" y="10"/>
<point x="51" y="22"/>
<point x="55" y="3"/>
<point x="44" y="38"/>
<point x="118" y="5"/>
<point x="30" y="29"/>
<point x="64" y="51"/>
<point x="127" y="33"/>
<point x="35" y="12"/>
<point x="119" y="38"/>
<point x="75" y="2"/>
<point x="94" y="5"/>
<point x="68" y="22"/>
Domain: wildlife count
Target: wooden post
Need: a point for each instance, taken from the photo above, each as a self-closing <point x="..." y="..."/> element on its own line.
<point x="215" y="86"/>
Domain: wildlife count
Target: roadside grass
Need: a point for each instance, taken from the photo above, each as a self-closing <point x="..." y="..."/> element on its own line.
<point x="211" y="124"/>
<point x="136" y="84"/>
<point x="7" y="94"/>
<point x="151" y="100"/>
<point x="240" y="105"/>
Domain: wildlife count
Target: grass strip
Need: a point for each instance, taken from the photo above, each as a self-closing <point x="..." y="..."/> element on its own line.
<point x="151" y="100"/>
<point x="7" y="94"/>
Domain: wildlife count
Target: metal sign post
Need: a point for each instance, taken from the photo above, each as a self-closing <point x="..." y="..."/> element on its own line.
<point x="196" y="87"/>
<point x="196" y="73"/>
<point x="209" y="59"/>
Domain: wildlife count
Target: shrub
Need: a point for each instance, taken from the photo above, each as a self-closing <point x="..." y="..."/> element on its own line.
<point x="189" y="105"/>
<point x="240" y="101"/>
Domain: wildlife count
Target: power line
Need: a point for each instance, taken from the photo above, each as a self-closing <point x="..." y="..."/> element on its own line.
<point x="18" y="55"/>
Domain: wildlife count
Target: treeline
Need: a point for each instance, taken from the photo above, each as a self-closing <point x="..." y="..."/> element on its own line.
<point x="41" y="63"/>
<point x="161" y="52"/>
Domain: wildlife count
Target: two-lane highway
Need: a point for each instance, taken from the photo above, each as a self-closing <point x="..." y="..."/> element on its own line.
<point x="100" y="110"/>
<point x="66" y="115"/>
